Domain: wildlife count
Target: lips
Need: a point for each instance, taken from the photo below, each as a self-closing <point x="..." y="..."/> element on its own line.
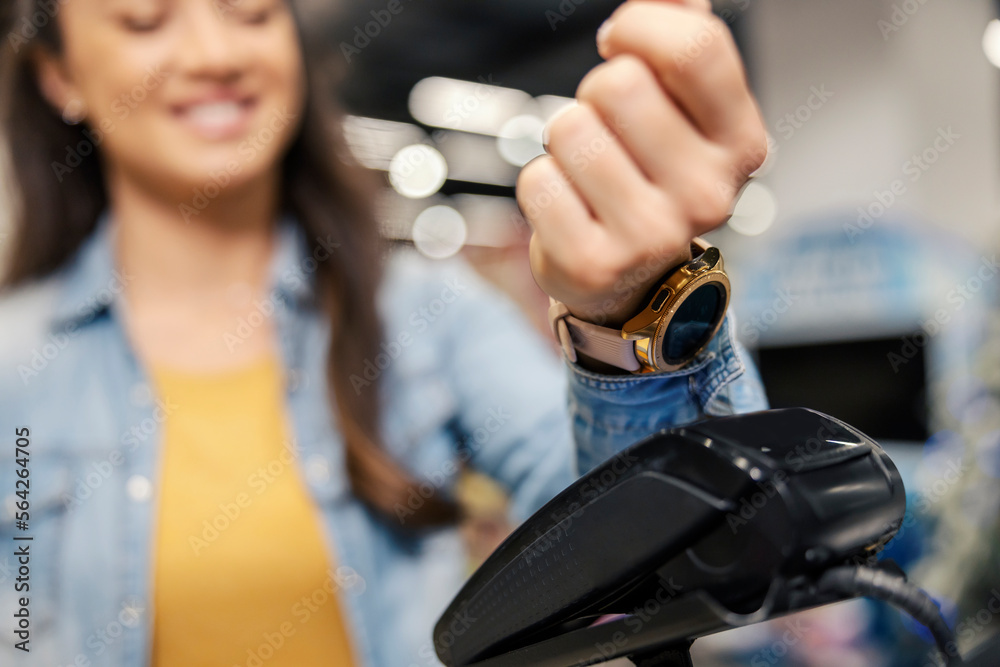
<point x="217" y="117"/>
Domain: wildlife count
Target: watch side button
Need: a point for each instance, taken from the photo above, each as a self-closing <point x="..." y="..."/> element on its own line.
<point x="660" y="299"/>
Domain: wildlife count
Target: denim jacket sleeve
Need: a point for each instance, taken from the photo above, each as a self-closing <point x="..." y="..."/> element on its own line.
<point x="611" y="412"/>
<point x="533" y="421"/>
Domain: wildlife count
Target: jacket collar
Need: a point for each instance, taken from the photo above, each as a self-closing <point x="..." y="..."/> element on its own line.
<point x="92" y="283"/>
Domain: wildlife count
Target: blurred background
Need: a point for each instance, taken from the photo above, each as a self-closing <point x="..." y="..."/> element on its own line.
<point x="863" y="258"/>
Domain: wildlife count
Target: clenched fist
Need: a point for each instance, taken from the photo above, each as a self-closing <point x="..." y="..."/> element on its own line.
<point x="664" y="135"/>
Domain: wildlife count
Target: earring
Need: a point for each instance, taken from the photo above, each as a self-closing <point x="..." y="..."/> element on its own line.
<point x="74" y="113"/>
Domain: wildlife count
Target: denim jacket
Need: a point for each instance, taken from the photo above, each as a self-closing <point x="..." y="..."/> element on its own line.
<point x="466" y="381"/>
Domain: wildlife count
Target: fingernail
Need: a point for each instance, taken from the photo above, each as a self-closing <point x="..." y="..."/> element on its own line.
<point x="602" y="35"/>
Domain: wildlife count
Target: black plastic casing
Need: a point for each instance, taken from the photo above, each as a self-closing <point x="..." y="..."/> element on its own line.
<point x="718" y="510"/>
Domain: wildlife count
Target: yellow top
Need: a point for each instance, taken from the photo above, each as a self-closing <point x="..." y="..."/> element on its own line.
<point x="241" y="572"/>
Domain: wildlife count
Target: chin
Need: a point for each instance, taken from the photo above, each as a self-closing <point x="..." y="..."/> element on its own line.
<point x="197" y="186"/>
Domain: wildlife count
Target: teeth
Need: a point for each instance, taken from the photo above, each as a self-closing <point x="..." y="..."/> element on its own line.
<point x="216" y="114"/>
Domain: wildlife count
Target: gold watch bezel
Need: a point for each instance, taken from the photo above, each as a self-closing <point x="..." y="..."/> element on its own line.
<point x="649" y="327"/>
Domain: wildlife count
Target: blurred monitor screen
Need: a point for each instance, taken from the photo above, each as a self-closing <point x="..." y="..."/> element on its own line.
<point x="853" y="381"/>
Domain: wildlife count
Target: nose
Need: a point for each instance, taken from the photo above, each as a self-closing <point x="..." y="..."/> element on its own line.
<point x="210" y="47"/>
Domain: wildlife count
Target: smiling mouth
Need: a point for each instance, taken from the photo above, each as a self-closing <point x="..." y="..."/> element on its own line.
<point x="218" y="119"/>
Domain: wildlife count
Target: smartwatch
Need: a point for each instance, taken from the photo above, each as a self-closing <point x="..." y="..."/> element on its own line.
<point x="683" y="311"/>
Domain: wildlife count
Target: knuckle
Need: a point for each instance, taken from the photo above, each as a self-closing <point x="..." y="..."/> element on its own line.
<point x="754" y="144"/>
<point x="748" y="152"/>
<point x="531" y="182"/>
<point x="707" y="43"/>
<point x="586" y="262"/>
<point x="648" y="203"/>
<point x="569" y="126"/>
<point x="713" y="32"/>
<point x="619" y="80"/>
<point x="592" y="272"/>
<point x="621" y="16"/>
<point x="525" y="183"/>
<point x="531" y="174"/>
<point x="592" y="83"/>
<point x="709" y="200"/>
<point x="717" y="26"/>
<point x="646" y="213"/>
<point x="713" y="211"/>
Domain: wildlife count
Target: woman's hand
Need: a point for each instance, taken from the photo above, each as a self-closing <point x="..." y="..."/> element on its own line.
<point x="664" y="135"/>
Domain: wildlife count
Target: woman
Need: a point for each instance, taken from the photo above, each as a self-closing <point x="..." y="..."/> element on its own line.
<point x="240" y="428"/>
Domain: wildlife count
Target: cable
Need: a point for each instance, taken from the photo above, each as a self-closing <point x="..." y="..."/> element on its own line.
<point x="899" y="592"/>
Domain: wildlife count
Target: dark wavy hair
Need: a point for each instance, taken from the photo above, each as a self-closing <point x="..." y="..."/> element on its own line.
<point x="326" y="191"/>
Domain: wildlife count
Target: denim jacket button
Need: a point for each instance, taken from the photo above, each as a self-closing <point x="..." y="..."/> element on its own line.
<point x="318" y="469"/>
<point x="139" y="488"/>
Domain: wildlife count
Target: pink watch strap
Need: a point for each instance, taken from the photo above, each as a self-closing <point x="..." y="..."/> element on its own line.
<point x="595" y="341"/>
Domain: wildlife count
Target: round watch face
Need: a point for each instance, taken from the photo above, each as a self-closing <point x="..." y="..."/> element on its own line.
<point x="694" y="323"/>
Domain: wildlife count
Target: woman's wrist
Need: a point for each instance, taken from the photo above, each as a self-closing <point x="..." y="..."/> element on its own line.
<point x="617" y="308"/>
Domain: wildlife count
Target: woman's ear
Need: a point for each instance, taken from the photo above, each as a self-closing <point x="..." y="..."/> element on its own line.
<point x="57" y="87"/>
